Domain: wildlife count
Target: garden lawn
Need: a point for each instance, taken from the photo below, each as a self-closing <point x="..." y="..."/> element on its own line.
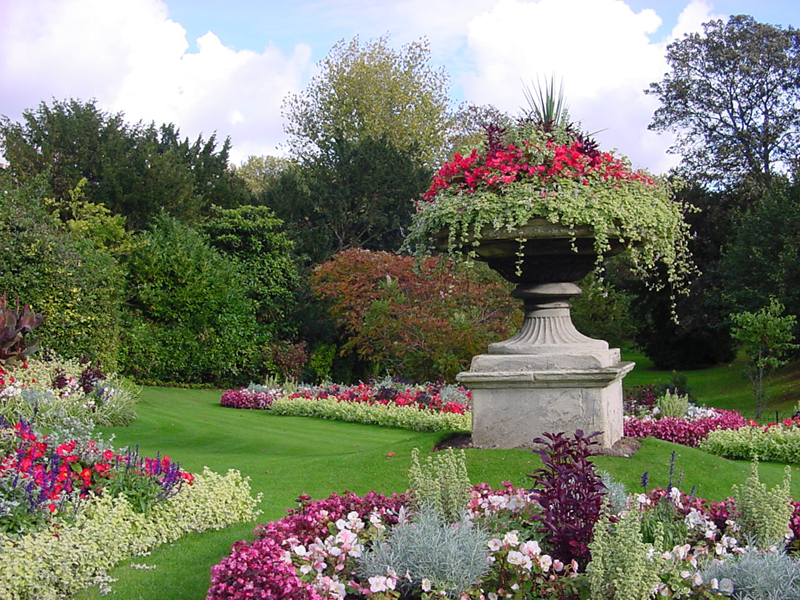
<point x="726" y="386"/>
<point x="288" y="456"/>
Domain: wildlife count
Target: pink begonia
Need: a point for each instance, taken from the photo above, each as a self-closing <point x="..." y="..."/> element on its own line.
<point x="429" y="398"/>
<point x="688" y="432"/>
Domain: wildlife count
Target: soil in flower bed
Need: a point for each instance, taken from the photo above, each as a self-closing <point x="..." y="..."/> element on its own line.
<point x="624" y="447"/>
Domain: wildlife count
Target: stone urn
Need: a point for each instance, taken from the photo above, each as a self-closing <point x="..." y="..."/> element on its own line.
<point x="549" y="376"/>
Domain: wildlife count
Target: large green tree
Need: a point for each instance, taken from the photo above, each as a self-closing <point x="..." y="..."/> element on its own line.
<point x="359" y="194"/>
<point x="135" y="170"/>
<point x="761" y="260"/>
<point x="254" y="239"/>
<point x="733" y="97"/>
<point x="371" y="91"/>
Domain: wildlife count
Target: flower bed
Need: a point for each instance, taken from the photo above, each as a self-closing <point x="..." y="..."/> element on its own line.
<point x="499" y="544"/>
<point x="56" y="389"/>
<point x="427" y="407"/>
<point x="71" y="509"/>
<point x="313" y="552"/>
<point x="643" y="418"/>
<point x="778" y="442"/>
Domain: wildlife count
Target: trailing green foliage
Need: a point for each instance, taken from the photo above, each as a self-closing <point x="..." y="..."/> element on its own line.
<point x="764" y="514"/>
<point x="373" y="414"/>
<point x="189" y="316"/>
<point x="68" y="556"/>
<point x="621" y="566"/>
<point x="441" y="484"/>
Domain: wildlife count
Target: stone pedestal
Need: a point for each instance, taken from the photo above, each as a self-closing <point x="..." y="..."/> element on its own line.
<point x="548" y="377"/>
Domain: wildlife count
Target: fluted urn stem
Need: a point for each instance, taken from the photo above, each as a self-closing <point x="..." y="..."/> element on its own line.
<point x="548" y="327"/>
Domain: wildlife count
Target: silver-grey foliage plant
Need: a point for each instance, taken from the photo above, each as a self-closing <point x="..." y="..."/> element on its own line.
<point x="758" y="575"/>
<point x="451" y="556"/>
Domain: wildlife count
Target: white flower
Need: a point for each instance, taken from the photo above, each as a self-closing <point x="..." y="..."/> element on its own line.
<point x="300" y="550"/>
<point x="381" y="583"/>
<point x="426" y="584"/>
<point x="518" y="558"/>
<point x="545" y="562"/>
<point x="332" y="587"/>
<point x="697" y="579"/>
<point x="530" y="548"/>
<point x="726" y="586"/>
<point x="305" y="569"/>
<point x="682" y="551"/>
<point x="494" y="545"/>
<point x="511" y="538"/>
<point x="515" y="503"/>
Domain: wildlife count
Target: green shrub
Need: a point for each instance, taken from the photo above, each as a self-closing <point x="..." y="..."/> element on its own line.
<point x="621" y="568"/>
<point x="68" y="556"/>
<point x="441" y="484"/>
<point x="189" y="316"/>
<point x="774" y="444"/>
<point x="672" y="405"/>
<point x="75" y="284"/>
<point x="373" y="414"/>
<point x="764" y="514"/>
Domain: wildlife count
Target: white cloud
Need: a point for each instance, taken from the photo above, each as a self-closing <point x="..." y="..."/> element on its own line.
<point x="131" y="57"/>
<point x="601" y="49"/>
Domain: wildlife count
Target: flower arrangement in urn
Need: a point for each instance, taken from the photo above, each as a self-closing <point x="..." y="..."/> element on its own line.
<point x="543" y="169"/>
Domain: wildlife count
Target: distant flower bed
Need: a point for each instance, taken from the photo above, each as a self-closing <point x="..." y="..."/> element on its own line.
<point x="645" y="418"/>
<point x="55" y="388"/>
<point x="778" y="442"/>
<point x="427" y="407"/>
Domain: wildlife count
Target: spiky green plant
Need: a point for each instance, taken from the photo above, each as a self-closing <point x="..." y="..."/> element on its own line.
<point x="442" y="483"/>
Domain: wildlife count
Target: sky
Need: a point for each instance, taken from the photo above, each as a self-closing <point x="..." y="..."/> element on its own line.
<point x="226" y="66"/>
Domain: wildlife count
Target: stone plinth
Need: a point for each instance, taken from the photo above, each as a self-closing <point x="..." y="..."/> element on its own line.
<point x="516" y="398"/>
<point x="548" y="377"/>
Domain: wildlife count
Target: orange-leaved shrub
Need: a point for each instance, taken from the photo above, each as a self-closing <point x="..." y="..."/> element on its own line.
<point x="420" y="319"/>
